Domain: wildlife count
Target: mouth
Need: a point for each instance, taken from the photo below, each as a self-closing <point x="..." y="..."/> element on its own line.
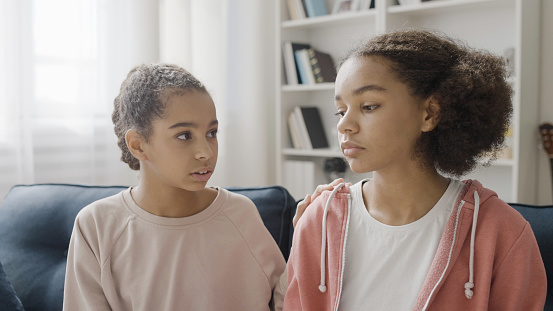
<point x="350" y="149"/>
<point x="202" y="174"/>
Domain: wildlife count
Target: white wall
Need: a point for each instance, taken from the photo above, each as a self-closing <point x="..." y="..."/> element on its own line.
<point x="545" y="189"/>
<point x="176" y="34"/>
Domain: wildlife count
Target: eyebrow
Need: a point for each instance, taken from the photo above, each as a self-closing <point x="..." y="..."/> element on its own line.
<point x="363" y="89"/>
<point x="191" y="124"/>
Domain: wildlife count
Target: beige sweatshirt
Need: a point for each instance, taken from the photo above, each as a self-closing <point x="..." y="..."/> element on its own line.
<point x="124" y="258"/>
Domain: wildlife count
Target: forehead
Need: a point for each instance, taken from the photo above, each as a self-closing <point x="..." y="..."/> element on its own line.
<point x="371" y="68"/>
<point x="189" y="105"/>
<point x="360" y="73"/>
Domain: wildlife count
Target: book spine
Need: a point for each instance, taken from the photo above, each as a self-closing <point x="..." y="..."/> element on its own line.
<point x="314" y="127"/>
<point x="306" y="140"/>
<point x="306" y="73"/>
<point x="315" y="8"/>
<point x="289" y="63"/>
<point x="292" y="11"/>
<point x="300" y="9"/>
<point x="317" y="73"/>
<point x="296" y="142"/>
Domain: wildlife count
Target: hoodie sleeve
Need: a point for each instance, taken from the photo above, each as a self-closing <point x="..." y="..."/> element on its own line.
<point x="519" y="282"/>
<point x="304" y="262"/>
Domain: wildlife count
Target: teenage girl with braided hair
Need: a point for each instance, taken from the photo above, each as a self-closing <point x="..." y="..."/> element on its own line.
<point x="170" y="242"/>
<point x="418" y="110"/>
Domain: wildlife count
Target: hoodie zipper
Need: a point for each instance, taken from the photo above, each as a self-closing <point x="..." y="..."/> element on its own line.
<point x="344" y="254"/>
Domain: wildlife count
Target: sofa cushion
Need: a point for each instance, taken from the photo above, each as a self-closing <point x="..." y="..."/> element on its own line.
<point x="8" y="299"/>
<point x="36" y="222"/>
<point x="541" y="221"/>
<point x="276" y="207"/>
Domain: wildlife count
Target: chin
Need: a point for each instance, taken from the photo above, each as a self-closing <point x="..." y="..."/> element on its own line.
<point x="357" y="167"/>
<point x="194" y="187"/>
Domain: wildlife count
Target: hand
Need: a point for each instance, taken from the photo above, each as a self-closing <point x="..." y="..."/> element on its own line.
<point x="303" y="204"/>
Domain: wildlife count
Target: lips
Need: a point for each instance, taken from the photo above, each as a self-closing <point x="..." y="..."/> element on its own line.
<point x="202" y="174"/>
<point x="350" y="149"/>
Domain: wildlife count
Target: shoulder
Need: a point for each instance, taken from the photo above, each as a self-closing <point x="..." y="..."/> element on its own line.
<point x="103" y="218"/>
<point x="103" y="208"/>
<point x="237" y="205"/>
<point x="495" y="216"/>
<point x="337" y="210"/>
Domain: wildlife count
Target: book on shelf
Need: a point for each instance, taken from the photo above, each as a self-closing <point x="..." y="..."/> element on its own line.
<point x="306" y="128"/>
<point x="341" y="6"/>
<point x="293" y="129"/>
<point x="300" y="6"/>
<point x="292" y="9"/>
<point x="296" y="9"/>
<point x="314" y="125"/>
<point x="315" y="7"/>
<point x="304" y="66"/>
<point x="302" y="129"/>
<point x="366" y="4"/>
<point x="315" y="67"/>
<point x="291" y="69"/>
<point x="322" y="66"/>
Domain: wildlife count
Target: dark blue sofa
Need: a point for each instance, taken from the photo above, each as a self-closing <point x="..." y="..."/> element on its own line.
<point x="36" y="223"/>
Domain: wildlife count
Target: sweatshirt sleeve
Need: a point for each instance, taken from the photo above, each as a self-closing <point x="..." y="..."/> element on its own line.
<point x="82" y="290"/>
<point x="519" y="282"/>
<point x="280" y="291"/>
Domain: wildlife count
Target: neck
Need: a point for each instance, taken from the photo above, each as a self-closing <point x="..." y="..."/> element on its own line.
<point x="165" y="201"/>
<point x="399" y="199"/>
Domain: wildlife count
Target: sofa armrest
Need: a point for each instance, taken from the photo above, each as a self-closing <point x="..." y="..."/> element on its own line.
<point x="541" y="221"/>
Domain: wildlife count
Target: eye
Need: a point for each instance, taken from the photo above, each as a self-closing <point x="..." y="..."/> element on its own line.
<point x="340" y="114"/>
<point x="184" y="136"/>
<point x="212" y="133"/>
<point x="368" y="107"/>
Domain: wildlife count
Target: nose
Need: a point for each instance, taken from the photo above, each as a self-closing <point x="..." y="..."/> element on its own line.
<point x="347" y="123"/>
<point x="204" y="150"/>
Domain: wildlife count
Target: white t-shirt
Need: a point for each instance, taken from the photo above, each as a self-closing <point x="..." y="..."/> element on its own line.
<point x="123" y="258"/>
<point x="385" y="266"/>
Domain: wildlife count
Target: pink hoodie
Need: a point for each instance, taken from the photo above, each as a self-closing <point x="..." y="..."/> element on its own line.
<point x="487" y="259"/>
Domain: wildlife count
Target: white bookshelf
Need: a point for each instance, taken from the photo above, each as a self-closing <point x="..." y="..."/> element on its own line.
<point x="495" y="25"/>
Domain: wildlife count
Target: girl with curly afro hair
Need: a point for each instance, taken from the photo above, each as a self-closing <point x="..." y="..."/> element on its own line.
<point x="418" y="109"/>
<point x="170" y="242"/>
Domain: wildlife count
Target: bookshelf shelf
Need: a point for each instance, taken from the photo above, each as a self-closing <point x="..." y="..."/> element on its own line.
<point x="328" y="20"/>
<point x="495" y="25"/>
<point x="447" y="6"/>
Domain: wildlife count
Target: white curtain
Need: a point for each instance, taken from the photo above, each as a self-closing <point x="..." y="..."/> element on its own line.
<point x="230" y="46"/>
<point x="61" y="64"/>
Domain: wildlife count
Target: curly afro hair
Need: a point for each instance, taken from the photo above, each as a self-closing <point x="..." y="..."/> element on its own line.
<point x="142" y="99"/>
<point x="471" y="86"/>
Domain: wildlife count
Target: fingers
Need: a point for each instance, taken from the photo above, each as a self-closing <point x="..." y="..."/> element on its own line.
<point x="302" y="205"/>
<point x="321" y="188"/>
<point x="300" y="208"/>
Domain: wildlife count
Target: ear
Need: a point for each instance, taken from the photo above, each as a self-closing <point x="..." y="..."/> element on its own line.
<point x="431" y="115"/>
<point x="135" y="143"/>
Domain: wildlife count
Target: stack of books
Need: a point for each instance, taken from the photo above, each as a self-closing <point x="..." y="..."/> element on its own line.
<point x="306" y="128"/>
<point x="305" y="65"/>
<point x="298" y="9"/>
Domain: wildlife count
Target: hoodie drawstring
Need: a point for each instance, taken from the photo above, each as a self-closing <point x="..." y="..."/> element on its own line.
<point x="322" y="286"/>
<point x="470" y="284"/>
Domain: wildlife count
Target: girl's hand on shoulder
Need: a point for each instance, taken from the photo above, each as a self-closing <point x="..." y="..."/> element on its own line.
<point x="303" y="204"/>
